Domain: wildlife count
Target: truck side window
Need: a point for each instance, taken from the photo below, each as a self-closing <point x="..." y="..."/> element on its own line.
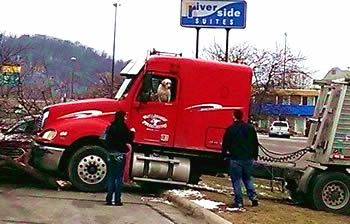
<point x="162" y="89"/>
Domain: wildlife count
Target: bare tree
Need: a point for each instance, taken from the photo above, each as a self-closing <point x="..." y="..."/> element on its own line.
<point x="47" y="73"/>
<point x="279" y="68"/>
<point x="239" y="54"/>
<point x="272" y="69"/>
<point x="37" y="93"/>
<point x="102" y="87"/>
<point x="21" y="98"/>
<point x="9" y="53"/>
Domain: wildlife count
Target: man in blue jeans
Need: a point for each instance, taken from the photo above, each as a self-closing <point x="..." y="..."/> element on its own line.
<point x="240" y="144"/>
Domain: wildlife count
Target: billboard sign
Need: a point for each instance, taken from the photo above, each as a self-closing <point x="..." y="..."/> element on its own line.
<point x="214" y="14"/>
<point x="9" y="74"/>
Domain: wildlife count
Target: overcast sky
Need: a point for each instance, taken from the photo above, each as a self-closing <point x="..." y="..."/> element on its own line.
<point x="317" y="28"/>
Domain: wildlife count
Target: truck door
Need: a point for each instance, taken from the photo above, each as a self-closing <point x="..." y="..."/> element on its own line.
<point x="154" y="110"/>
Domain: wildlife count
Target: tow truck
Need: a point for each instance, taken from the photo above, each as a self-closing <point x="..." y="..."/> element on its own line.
<point x="324" y="183"/>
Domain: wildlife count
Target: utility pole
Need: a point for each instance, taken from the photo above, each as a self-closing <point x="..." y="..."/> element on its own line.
<point x="73" y="59"/>
<point x="284" y="61"/>
<point x="113" y="53"/>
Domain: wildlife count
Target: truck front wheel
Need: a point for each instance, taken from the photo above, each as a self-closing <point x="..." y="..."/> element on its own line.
<point x="87" y="169"/>
<point x="331" y="192"/>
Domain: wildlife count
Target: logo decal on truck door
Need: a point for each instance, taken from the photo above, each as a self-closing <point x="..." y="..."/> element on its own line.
<point x="154" y="121"/>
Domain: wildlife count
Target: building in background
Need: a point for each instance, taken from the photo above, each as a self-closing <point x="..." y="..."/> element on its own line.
<point x="337" y="73"/>
<point x="292" y="105"/>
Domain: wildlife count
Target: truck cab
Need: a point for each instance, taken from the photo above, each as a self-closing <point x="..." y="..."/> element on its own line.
<point x="179" y="108"/>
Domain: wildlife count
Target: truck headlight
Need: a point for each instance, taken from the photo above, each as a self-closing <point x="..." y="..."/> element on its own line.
<point x="49" y="134"/>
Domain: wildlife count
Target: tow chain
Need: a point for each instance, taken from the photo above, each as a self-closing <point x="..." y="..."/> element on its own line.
<point x="271" y="156"/>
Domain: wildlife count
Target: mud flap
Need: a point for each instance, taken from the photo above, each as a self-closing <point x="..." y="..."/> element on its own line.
<point x="126" y="175"/>
<point x="304" y="181"/>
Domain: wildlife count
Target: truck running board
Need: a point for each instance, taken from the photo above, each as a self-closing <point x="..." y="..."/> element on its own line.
<point x="159" y="181"/>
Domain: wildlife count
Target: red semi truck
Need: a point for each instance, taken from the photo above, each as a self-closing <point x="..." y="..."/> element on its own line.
<point x="175" y="141"/>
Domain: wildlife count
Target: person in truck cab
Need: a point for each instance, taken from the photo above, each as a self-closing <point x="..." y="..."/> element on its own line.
<point x="240" y="143"/>
<point x="118" y="135"/>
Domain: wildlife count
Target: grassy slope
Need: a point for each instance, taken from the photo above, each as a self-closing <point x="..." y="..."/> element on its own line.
<point x="275" y="207"/>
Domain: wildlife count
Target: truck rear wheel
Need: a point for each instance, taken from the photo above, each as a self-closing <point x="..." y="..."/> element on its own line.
<point x="331" y="192"/>
<point x="87" y="169"/>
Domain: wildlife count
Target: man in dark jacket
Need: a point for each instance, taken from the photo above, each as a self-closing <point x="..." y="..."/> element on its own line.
<point x="240" y="144"/>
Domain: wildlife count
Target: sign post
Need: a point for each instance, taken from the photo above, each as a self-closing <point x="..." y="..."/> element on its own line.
<point x="227" y="38"/>
<point x="227" y="14"/>
<point x="197" y="41"/>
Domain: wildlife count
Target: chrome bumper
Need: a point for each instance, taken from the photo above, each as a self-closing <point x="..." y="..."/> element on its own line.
<point x="46" y="157"/>
<point x="279" y="133"/>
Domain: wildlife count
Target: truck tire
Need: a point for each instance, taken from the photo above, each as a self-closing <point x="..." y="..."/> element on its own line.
<point x="87" y="169"/>
<point x="331" y="192"/>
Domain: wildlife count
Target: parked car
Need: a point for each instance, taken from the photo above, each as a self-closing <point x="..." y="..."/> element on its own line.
<point x="16" y="140"/>
<point x="280" y="129"/>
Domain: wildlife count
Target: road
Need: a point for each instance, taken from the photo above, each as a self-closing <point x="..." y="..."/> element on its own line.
<point x="282" y="144"/>
<point x="285" y="145"/>
<point x="27" y="202"/>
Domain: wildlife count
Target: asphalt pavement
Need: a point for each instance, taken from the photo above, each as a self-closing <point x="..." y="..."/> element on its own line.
<point x="282" y="144"/>
<point x="23" y="200"/>
<point x="286" y="145"/>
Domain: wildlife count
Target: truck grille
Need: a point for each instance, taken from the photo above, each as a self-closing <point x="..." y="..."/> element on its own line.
<point x="14" y="153"/>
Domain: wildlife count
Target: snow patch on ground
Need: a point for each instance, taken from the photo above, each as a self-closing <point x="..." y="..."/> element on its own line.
<point x="262" y="186"/>
<point x="156" y="200"/>
<point x="230" y="209"/>
<point x="264" y="194"/>
<point x="218" y="189"/>
<point x="208" y="204"/>
<point x="187" y="193"/>
<point x="167" y="202"/>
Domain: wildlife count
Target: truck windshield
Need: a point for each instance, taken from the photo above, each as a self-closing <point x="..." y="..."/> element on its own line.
<point x="124" y="88"/>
